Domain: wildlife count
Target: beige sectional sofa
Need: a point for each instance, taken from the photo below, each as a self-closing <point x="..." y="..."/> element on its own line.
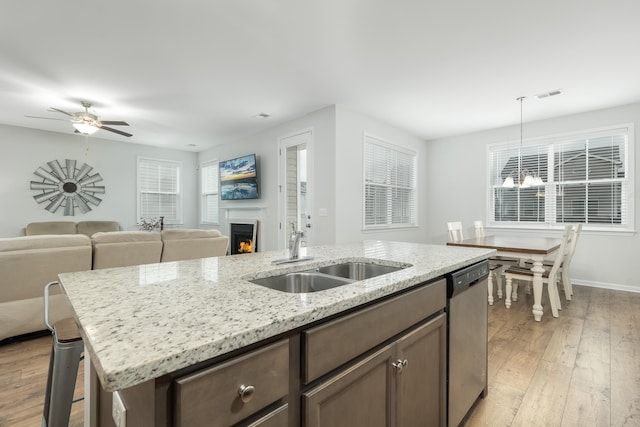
<point x="28" y="263"/>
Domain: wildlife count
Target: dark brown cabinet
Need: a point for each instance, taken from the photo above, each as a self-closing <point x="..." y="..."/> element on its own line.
<point x="421" y="386"/>
<point x="401" y="385"/>
<point x="382" y="364"/>
<point x="234" y="390"/>
<point x="359" y="396"/>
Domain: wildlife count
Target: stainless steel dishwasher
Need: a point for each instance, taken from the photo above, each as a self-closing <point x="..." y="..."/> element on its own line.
<point x="466" y="339"/>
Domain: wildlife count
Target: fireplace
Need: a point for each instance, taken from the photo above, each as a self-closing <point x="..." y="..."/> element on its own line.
<point x="243" y="237"/>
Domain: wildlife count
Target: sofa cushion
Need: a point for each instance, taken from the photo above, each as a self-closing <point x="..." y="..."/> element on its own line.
<point x="88" y="228"/>
<point x="124" y="248"/>
<point x="50" y="227"/>
<point x="28" y="263"/>
<point x="43" y="242"/>
<point x="182" y="244"/>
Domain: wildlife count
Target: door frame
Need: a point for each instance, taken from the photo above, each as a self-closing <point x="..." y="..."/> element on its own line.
<point x="285" y="141"/>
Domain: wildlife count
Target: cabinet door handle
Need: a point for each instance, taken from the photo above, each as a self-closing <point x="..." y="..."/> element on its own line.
<point x="400" y="364"/>
<point x="246" y="393"/>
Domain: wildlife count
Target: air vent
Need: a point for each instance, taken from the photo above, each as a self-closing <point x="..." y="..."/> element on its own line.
<point x="548" y="94"/>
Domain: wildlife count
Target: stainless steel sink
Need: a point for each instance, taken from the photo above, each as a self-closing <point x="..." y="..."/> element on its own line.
<point x="302" y="282"/>
<point x="327" y="277"/>
<point x="358" y="270"/>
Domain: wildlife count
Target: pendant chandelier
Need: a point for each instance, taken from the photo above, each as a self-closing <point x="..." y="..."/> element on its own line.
<point x="523" y="177"/>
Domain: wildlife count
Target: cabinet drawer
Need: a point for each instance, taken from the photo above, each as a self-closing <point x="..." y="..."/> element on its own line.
<point x="332" y="344"/>
<point x="211" y="397"/>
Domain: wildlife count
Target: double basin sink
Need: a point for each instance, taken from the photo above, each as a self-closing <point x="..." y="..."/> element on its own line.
<point x="326" y="277"/>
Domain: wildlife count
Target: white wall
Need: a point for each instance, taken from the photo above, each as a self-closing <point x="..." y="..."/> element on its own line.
<point x="265" y="146"/>
<point x="350" y="130"/>
<point x="24" y="150"/>
<point x="456" y="186"/>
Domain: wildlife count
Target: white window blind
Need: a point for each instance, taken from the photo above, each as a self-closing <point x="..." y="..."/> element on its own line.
<point x="586" y="180"/>
<point x="209" y="186"/>
<point x="389" y="185"/>
<point x="159" y="190"/>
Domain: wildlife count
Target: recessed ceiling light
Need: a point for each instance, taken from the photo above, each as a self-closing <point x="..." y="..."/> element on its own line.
<point x="548" y="94"/>
<point x="262" y="116"/>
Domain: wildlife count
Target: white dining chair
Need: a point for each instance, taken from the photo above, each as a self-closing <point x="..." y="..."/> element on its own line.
<point x="569" y="250"/>
<point x="496" y="265"/>
<point x="455" y="231"/>
<point x="479" y="228"/>
<point x="549" y="277"/>
<point x="566" y="262"/>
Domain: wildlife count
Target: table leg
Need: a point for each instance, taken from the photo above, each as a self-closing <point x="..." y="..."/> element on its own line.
<point x="537" y="289"/>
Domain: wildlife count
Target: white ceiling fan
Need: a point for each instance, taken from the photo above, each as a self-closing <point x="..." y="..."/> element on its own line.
<point x="87" y="123"/>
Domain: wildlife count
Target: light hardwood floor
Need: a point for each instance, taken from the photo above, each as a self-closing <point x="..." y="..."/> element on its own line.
<point x="582" y="369"/>
<point x="23" y="379"/>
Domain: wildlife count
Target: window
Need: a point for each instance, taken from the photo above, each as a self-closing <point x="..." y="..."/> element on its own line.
<point x="209" y="193"/>
<point x="159" y="190"/>
<point x="389" y="185"/>
<point x="586" y="180"/>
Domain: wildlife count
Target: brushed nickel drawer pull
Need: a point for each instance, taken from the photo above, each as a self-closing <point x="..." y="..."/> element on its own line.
<point x="246" y="393"/>
<point x="400" y="364"/>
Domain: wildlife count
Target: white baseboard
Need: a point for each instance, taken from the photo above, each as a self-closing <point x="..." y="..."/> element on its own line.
<point x="604" y="285"/>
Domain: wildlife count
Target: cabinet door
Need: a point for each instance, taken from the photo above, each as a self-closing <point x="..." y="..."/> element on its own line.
<point x="421" y="385"/>
<point x="358" y="397"/>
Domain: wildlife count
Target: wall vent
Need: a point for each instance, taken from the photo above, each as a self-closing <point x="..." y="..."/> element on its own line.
<point x="548" y="94"/>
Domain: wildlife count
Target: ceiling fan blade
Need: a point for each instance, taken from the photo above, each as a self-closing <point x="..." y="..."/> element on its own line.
<point x="115" y="130"/>
<point x="47" y="118"/>
<point x="114" y="122"/>
<point x="60" y="111"/>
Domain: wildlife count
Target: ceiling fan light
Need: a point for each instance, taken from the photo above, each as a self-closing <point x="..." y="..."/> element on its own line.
<point x="85" y="128"/>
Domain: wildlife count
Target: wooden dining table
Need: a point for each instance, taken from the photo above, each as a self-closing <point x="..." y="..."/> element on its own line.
<point x="528" y="248"/>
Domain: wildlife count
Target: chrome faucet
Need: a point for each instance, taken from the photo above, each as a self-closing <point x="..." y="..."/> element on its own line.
<point x="294" y="242"/>
<point x="294" y="248"/>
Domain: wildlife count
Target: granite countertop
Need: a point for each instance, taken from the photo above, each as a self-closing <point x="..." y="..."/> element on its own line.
<point x="142" y="322"/>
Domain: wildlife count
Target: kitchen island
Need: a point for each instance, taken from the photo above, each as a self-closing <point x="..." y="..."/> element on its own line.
<point x="148" y="328"/>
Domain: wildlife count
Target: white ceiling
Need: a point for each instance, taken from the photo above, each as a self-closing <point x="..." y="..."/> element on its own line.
<point x="198" y="71"/>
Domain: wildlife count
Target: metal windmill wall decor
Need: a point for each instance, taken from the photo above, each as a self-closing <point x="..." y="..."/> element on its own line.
<point x="67" y="187"/>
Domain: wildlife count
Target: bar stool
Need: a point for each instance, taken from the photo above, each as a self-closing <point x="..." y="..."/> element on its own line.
<point x="66" y="353"/>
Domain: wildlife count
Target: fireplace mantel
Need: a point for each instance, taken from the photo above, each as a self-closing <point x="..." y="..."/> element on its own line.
<point x="243" y="207"/>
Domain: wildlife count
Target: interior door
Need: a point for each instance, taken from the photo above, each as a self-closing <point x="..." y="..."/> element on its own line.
<point x="295" y="187"/>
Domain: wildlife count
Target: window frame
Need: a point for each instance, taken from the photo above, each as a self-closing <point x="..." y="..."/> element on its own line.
<point x="389" y="225"/>
<point x="204" y="194"/>
<point x="551" y="143"/>
<point x="179" y="193"/>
